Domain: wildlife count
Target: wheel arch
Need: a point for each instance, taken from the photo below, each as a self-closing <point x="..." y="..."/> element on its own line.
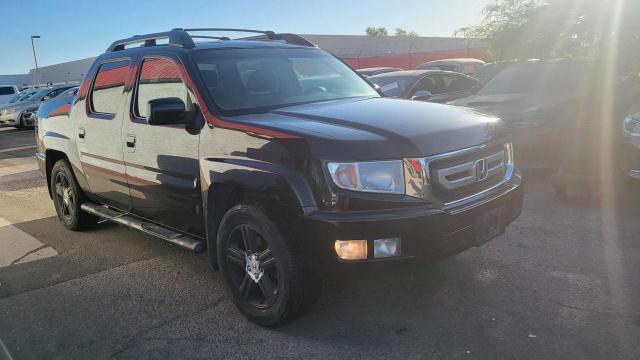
<point x="51" y="158"/>
<point x="229" y="182"/>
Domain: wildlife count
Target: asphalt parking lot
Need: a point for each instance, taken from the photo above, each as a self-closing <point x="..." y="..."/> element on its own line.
<point x="562" y="283"/>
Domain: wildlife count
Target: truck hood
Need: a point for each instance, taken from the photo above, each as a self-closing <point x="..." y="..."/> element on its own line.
<point x="380" y="128"/>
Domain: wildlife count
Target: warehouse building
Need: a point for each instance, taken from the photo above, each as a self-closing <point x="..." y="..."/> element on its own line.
<point x="358" y="51"/>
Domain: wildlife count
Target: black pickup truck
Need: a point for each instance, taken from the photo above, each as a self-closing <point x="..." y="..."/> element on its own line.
<point x="276" y="157"/>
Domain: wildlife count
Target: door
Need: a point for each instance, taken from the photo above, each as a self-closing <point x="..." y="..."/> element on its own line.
<point x="98" y="133"/>
<point x="162" y="160"/>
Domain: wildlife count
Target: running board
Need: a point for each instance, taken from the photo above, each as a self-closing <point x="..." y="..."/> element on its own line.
<point x="176" y="238"/>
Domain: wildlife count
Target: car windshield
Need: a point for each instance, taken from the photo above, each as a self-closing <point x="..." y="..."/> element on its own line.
<point x="70" y="92"/>
<point x="37" y="95"/>
<point x="260" y="79"/>
<point x="533" y="79"/>
<point x="392" y="85"/>
<point x="21" y="96"/>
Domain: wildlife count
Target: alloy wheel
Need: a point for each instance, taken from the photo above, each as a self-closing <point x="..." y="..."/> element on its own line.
<point x="253" y="270"/>
<point x="64" y="195"/>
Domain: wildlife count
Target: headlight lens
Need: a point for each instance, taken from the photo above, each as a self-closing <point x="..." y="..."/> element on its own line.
<point x="10" y="111"/>
<point x="632" y="124"/>
<point x="373" y="176"/>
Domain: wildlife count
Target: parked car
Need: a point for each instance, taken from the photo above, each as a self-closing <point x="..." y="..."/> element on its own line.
<point x="18" y="97"/>
<point x="366" y="72"/>
<point x="426" y="85"/>
<point x="465" y="66"/>
<point x="538" y="100"/>
<point x="14" y="115"/>
<point x="8" y="92"/>
<point x="278" y="158"/>
<point x="59" y="105"/>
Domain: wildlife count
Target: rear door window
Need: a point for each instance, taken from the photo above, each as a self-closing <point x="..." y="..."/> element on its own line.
<point x="107" y="87"/>
<point x="159" y="78"/>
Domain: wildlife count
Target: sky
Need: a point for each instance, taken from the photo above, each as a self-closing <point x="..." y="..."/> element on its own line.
<point x="73" y="30"/>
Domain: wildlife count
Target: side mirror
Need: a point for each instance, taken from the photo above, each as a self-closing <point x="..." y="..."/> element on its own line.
<point x="421" y="95"/>
<point x="48" y="97"/>
<point x="166" y="111"/>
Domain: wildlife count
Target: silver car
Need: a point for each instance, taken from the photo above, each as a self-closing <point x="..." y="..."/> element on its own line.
<point x="13" y="114"/>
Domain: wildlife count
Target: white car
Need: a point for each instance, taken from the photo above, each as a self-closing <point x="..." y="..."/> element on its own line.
<point x="7" y="92"/>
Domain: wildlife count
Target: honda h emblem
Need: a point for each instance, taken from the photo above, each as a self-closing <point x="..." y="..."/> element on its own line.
<point x="481" y="169"/>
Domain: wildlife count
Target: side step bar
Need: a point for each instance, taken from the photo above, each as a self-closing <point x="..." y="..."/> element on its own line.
<point x="181" y="240"/>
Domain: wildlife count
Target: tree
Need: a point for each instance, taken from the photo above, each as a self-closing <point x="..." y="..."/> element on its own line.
<point x="403" y="32"/>
<point x="558" y="28"/>
<point x="377" y="31"/>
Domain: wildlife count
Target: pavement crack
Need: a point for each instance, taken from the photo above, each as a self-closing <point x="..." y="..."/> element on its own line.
<point x="29" y="253"/>
<point x="134" y="339"/>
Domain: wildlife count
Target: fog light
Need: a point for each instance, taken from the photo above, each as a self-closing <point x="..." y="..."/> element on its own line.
<point x="351" y="249"/>
<point x="383" y="248"/>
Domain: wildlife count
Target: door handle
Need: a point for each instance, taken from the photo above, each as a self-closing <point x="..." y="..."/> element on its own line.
<point x="81" y="133"/>
<point x="131" y="141"/>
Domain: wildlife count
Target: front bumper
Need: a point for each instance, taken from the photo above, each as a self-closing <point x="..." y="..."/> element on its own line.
<point x="427" y="233"/>
<point x="10" y="119"/>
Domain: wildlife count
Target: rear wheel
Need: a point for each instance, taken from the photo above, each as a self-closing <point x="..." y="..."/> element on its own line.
<point x="263" y="272"/>
<point x="68" y="196"/>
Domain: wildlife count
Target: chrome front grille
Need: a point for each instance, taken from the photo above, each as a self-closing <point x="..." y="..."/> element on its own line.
<point x="454" y="177"/>
<point x="470" y="172"/>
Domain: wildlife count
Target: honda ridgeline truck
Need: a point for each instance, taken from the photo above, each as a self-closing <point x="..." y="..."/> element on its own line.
<point x="276" y="157"/>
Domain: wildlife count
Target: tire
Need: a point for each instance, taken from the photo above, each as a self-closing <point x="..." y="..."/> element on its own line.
<point x="67" y="198"/>
<point x="20" y="124"/>
<point x="245" y="235"/>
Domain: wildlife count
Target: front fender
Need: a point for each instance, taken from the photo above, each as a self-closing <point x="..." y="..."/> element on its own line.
<point x="261" y="179"/>
<point x="225" y="181"/>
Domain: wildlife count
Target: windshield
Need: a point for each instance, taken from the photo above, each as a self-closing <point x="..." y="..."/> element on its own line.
<point x="533" y="79"/>
<point x="392" y="85"/>
<point x="21" y="96"/>
<point x="37" y="95"/>
<point x="259" y="79"/>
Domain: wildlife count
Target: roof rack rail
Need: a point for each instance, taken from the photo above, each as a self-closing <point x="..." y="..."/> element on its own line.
<point x="177" y="37"/>
<point x="180" y="38"/>
<point x="295" y="39"/>
<point x="270" y="34"/>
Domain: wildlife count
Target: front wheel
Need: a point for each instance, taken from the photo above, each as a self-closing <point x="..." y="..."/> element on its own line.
<point x="265" y="275"/>
<point x="20" y="123"/>
<point x="68" y="196"/>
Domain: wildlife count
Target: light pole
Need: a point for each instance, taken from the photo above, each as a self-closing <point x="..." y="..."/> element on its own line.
<point x="33" y="47"/>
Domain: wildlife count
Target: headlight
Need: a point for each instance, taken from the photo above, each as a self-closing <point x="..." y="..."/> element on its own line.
<point x="10" y="111"/>
<point x="375" y="176"/>
<point x="632" y="125"/>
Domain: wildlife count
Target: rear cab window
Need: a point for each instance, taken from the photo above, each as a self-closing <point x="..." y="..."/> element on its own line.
<point x="106" y="94"/>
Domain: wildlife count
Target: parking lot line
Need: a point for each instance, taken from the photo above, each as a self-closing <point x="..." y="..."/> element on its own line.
<point x="18" y="148"/>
